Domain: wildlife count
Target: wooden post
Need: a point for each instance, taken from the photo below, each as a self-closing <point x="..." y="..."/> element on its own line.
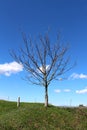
<point x="18" y="102"/>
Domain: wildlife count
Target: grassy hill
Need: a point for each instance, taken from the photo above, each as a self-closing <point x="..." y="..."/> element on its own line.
<point x="34" y="116"/>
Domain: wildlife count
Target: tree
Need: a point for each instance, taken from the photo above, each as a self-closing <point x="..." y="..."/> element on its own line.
<point x="43" y="60"/>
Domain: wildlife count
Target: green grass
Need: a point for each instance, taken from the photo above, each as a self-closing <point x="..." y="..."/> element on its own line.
<point x="34" y="116"/>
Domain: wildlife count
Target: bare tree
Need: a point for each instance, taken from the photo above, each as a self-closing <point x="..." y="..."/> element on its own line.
<point x="43" y="60"/>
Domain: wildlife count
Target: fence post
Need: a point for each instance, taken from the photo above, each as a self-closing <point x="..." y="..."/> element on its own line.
<point x="18" y="102"/>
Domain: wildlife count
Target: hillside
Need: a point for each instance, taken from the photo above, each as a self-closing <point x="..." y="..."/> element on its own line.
<point x="34" y="116"/>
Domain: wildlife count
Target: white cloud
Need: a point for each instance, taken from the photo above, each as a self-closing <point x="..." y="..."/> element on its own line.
<point x="64" y="90"/>
<point x="10" y="68"/>
<point x="57" y="90"/>
<point x="47" y="67"/>
<point x="78" y="76"/>
<point x="67" y="90"/>
<point x="42" y="68"/>
<point x="83" y="91"/>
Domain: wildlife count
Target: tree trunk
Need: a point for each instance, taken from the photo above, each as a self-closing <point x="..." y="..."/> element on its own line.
<point x="46" y="96"/>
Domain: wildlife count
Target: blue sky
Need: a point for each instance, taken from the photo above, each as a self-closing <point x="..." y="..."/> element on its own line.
<point x="34" y="17"/>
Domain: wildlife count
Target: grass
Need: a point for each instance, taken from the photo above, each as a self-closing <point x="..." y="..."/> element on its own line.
<point x="34" y="116"/>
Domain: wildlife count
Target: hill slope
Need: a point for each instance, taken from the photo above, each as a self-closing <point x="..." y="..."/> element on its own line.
<point x="31" y="116"/>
